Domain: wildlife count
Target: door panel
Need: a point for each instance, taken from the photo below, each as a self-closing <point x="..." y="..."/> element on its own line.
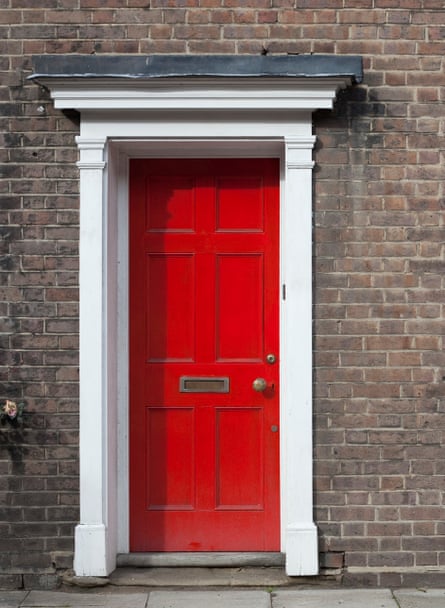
<point x="239" y="204"/>
<point x="170" y="330"/>
<point x="239" y="307"/>
<point x="170" y="204"/>
<point x="239" y="436"/>
<point x="204" y="451"/>
<point x="170" y="465"/>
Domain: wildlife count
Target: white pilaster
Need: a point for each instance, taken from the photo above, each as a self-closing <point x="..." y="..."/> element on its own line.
<point x="300" y="532"/>
<point x="92" y="556"/>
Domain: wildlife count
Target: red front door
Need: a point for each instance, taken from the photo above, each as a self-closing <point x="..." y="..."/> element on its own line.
<point x="204" y="440"/>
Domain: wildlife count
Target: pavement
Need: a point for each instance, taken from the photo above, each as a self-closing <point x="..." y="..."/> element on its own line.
<point x="228" y="598"/>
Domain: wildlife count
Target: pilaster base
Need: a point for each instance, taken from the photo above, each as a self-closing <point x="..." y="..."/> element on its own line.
<point x="301" y="550"/>
<point x="92" y="557"/>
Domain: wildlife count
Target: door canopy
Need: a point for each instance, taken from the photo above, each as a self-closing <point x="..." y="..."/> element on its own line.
<point x="190" y="82"/>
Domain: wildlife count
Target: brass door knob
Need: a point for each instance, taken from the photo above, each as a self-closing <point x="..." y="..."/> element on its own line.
<point x="259" y="385"/>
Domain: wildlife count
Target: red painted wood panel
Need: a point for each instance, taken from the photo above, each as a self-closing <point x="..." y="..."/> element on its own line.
<point x="170" y="307"/>
<point x="239" y="438"/>
<point x="170" y="204"/>
<point x="204" y="296"/>
<point x="239" y="204"/>
<point x="239" y="307"/>
<point x="170" y="458"/>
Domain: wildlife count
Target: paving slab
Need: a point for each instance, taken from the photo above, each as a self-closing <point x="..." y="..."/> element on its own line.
<point x="209" y="599"/>
<point x="333" y="598"/>
<point x="420" y="598"/>
<point x="12" y="599"/>
<point x="59" y="599"/>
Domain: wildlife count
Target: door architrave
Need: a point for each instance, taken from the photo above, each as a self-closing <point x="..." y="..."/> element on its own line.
<point x="298" y="532"/>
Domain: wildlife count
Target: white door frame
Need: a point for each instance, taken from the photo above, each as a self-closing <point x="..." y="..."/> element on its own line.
<point x="233" y="118"/>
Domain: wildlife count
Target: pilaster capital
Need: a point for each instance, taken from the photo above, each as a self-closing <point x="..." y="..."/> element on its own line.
<point x="298" y="152"/>
<point x="91" y="153"/>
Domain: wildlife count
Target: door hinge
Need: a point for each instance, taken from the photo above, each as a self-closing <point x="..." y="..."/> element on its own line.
<point x="284" y="291"/>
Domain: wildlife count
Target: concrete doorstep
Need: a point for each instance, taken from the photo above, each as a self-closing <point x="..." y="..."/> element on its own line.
<point x="201" y="577"/>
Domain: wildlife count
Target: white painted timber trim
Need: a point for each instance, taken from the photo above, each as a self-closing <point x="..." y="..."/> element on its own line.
<point x="91" y="539"/>
<point x="277" y="124"/>
<point x="296" y="356"/>
<point x="194" y="94"/>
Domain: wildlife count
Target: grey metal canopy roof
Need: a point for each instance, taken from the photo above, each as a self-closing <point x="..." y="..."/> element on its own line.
<point x="169" y="66"/>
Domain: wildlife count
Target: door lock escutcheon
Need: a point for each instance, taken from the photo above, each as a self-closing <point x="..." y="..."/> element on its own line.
<point x="270" y="358"/>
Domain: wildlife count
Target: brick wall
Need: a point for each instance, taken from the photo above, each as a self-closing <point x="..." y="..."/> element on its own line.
<point x="379" y="406"/>
<point x="379" y="235"/>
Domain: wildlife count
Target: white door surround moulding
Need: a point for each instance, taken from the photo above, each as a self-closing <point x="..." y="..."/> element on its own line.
<point x="115" y="127"/>
<point x="104" y="201"/>
<point x="194" y="94"/>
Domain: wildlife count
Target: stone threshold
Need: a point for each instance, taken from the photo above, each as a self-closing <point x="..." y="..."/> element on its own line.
<point x="200" y="560"/>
